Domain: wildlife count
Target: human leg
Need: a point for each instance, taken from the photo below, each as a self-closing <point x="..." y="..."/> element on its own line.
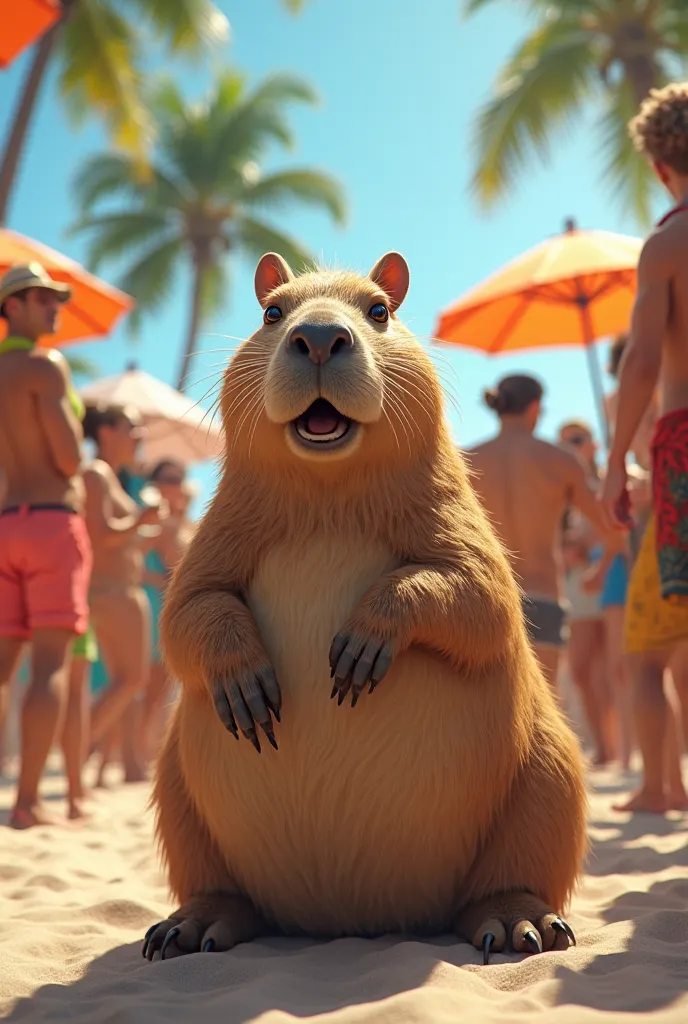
<point x="41" y="717"/>
<point x="118" y="615"/>
<point x="586" y="660"/>
<point x="650" y="713"/>
<point x="10" y="653"/>
<point x="75" y="733"/>
<point x="616" y="671"/>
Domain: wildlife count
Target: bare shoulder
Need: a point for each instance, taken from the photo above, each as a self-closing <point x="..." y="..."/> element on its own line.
<point x="49" y="369"/>
<point x="664" y="245"/>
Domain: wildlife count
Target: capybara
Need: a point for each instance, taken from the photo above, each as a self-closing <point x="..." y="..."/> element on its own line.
<point x="364" y="742"/>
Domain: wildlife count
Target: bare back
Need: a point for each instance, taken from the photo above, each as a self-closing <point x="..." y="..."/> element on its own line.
<point x="674" y="375"/>
<point x="525" y="485"/>
<point x="38" y="457"/>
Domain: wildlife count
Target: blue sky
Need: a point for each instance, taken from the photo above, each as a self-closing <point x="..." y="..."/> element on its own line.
<point x="400" y="82"/>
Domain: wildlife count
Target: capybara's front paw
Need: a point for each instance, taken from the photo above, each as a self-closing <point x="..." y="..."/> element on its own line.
<point x="245" y="698"/>
<point x="205" y="925"/>
<point x="355" y="661"/>
<point x="514" y="919"/>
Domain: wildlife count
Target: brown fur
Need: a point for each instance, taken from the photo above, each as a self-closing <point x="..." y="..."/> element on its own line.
<point x="453" y="788"/>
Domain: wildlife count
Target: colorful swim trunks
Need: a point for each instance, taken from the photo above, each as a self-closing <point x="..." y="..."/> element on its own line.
<point x="670" y="502"/>
<point x="45" y="568"/>
<point x="651" y="623"/>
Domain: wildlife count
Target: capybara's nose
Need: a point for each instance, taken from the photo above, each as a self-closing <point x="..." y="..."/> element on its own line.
<point x="320" y="341"/>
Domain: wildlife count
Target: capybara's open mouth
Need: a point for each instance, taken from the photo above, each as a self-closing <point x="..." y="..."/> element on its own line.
<point x="322" y="426"/>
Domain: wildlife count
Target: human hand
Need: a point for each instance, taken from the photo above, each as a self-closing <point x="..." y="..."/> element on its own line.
<point x="615" y="498"/>
<point x="593" y="580"/>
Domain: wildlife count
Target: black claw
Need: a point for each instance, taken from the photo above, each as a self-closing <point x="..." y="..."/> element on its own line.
<point x="373" y="685"/>
<point x="170" y="937"/>
<point x="488" y="939"/>
<point x="147" y="938"/>
<point x="561" y="926"/>
<point x="354" y="700"/>
<point x="208" y="946"/>
<point x="332" y="672"/>
<point x="532" y="940"/>
<point x="340" y="698"/>
<point x="276" y="713"/>
<point x="271" y="737"/>
<point x="335" y="689"/>
<point x="250" y="734"/>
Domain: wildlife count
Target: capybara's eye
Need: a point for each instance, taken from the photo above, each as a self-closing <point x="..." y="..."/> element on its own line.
<point x="379" y="312"/>
<point x="272" y="315"/>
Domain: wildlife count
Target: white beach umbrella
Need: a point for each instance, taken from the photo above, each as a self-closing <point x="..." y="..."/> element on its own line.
<point x="175" y="426"/>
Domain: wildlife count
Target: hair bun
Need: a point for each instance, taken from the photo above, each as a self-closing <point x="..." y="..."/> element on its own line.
<point x="493" y="400"/>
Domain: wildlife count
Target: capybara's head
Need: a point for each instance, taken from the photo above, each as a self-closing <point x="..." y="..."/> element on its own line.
<point x="332" y="378"/>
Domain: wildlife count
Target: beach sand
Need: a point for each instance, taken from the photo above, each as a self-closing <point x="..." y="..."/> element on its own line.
<point x="74" y="904"/>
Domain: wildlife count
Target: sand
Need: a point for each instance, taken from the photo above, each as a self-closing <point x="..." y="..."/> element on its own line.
<point x="74" y="904"/>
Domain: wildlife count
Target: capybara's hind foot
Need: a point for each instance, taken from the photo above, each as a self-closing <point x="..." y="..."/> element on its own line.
<point x="210" y="923"/>
<point x="517" y="919"/>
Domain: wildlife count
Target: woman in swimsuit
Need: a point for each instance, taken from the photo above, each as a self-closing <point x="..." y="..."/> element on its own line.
<point x="119" y="607"/>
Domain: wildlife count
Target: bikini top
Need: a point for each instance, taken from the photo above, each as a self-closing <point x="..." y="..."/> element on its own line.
<point x="14" y="344"/>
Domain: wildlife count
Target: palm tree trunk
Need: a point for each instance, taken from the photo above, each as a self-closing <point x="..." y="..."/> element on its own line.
<point x="641" y="72"/>
<point x="27" y="105"/>
<point x="200" y="265"/>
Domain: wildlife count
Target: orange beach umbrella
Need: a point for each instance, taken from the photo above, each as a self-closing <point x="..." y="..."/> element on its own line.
<point x="94" y="308"/>
<point x="22" y="22"/>
<point x="570" y="290"/>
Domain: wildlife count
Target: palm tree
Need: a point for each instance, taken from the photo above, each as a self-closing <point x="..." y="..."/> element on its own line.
<point x="579" y="51"/>
<point x="204" y="196"/>
<point x="100" y="45"/>
<point x="82" y="366"/>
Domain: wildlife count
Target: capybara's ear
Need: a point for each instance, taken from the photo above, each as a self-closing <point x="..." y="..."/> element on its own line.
<point x="391" y="272"/>
<point x="271" y="272"/>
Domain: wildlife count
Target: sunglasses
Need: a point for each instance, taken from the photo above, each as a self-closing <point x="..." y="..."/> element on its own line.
<point x="577" y="440"/>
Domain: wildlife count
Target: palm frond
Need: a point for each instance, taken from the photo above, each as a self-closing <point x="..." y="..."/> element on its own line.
<point x="149" y="280"/>
<point x="186" y="26"/>
<point x="100" y="58"/>
<point x="627" y="172"/>
<point x="541" y="87"/>
<point x="114" y="234"/>
<point x="254" y="239"/>
<point x="110" y="174"/>
<point x="82" y="366"/>
<point x="312" y="187"/>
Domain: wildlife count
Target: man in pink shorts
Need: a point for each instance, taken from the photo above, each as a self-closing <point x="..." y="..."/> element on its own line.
<point x="45" y="553"/>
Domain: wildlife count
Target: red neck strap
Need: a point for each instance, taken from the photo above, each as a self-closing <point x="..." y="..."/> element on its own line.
<point x="672" y="213"/>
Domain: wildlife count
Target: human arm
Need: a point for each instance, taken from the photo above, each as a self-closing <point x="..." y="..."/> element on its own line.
<point x="61" y="428"/>
<point x="583" y="497"/>
<point x="640" y="365"/>
<point x="105" y="529"/>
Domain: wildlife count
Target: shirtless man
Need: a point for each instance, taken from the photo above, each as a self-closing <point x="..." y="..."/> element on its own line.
<point x="119" y="606"/>
<point x="657" y="356"/>
<point x="526" y="485"/>
<point x="45" y="553"/>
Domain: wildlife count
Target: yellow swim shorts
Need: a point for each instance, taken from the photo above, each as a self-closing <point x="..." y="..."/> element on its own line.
<point x="651" y="622"/>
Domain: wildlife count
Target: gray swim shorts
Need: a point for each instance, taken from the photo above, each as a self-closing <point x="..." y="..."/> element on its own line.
<point x="545" y="621"/>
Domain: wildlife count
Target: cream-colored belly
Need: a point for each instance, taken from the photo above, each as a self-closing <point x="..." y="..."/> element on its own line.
<point x="365" y="819"/>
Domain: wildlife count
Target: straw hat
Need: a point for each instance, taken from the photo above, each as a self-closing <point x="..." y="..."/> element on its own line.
<point x="31" y="275"/>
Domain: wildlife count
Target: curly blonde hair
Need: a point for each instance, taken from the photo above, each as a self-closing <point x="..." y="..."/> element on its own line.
<point x="660" y="129"/>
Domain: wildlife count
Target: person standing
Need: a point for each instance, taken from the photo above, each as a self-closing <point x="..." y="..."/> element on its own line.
<point x="655" y="360"/>
<point x="526" y="485"/>
<point x="45" y="552"/>
<point x="119" y="606"/>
